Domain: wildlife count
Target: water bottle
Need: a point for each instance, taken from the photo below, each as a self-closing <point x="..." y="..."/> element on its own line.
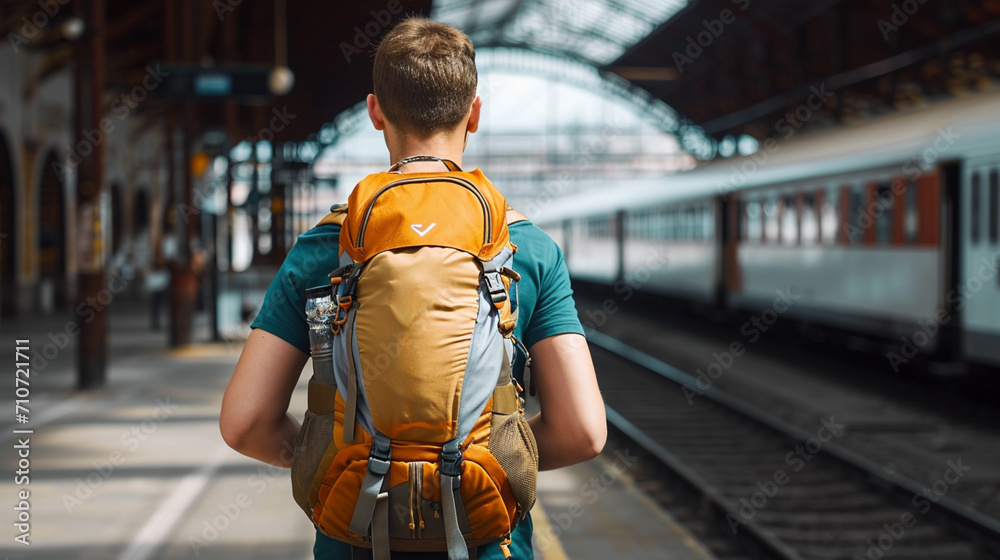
<point x="320" y="312"/>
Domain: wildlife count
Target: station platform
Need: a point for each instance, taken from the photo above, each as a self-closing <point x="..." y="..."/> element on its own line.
<point x="138" y="471"/>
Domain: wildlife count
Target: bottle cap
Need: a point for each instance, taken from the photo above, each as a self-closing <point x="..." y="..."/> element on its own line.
<point x="319" y="292"/>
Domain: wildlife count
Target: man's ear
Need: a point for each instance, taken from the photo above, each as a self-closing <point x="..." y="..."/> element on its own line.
<point x="477" y="107"/>
<point x="375" y="112"/>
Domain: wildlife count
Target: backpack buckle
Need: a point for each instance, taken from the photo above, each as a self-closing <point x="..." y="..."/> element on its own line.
<point x="379" y="458"/>
<point x="378" y="466"/>
<point x="451" y="460"/>
<point x="494" y="285"/>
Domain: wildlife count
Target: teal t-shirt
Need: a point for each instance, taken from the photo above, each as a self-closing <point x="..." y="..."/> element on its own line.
<point x="546" y="308"/>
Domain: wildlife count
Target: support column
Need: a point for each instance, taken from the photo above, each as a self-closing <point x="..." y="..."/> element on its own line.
<point x="94" y="297"/>
<point x="183" y="278"/>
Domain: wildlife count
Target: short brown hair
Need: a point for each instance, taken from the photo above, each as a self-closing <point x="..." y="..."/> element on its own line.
<point x="425" y="76"/>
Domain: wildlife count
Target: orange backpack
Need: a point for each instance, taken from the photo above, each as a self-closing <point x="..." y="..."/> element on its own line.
<point x="422" y="444"/>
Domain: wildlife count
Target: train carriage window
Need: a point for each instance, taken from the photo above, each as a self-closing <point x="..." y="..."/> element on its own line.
<point x="704" y="222"/>
<point x="772" y="227"/>
<point x="691" y="224"/>
<point x="699" y="223"/>
<point x="994" y="207"/>
<point x="911" y="226"/>
<point x="974" y="206"/>
<point x="830" y="216"/>
<point x="882" y="208"/>
<point x="754" y="221"/>
<point x="708" y="224"/>
<point x="668" y="224"/>
<point x="600" y="228"/>
<point x="810" y="224"/>
<point x="789" y="220"/>
<point x="858" y="220"/>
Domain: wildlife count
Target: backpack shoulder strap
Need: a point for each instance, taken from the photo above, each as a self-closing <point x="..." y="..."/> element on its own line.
<point x="337" y="215"/>
<point x="513" y="216"/>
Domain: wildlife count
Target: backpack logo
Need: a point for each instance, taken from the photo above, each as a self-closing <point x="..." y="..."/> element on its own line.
<point x="422" y="232"/>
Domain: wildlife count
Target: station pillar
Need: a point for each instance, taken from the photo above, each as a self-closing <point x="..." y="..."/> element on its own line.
<point x="94" y="296"/>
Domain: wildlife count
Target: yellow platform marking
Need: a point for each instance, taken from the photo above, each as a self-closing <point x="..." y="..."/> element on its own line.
<point x="553" y="548"/>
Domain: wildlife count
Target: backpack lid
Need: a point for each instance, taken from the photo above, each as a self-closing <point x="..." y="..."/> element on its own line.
<point x="457" y="209"/>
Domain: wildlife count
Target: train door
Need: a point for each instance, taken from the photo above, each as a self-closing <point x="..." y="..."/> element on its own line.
<point x="8" y="237"/>
<point x="979" y="286"/>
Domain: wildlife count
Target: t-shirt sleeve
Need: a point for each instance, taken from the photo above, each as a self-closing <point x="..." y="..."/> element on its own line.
<point x="283" y="314"/>
<point x="555" y="311"/>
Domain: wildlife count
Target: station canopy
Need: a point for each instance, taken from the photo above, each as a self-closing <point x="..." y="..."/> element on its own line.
<point x="569" y="41"/>
<point x="594" y="31"/>
<point x="741" y="75"/>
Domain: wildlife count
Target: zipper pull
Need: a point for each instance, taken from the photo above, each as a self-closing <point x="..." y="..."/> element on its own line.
<point x="505" y="547"/>
<point x="413" y="489"/>
<point x="419" y="476"/>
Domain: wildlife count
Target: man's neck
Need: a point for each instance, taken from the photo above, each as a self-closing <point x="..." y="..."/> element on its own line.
<point x="444" y="147"/>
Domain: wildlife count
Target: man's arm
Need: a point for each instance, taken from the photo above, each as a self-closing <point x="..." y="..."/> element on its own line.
<point x="572" y="426"/>
<point x="254" y="418"/>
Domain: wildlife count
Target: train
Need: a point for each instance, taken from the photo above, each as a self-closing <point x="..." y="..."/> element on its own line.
<point x="886" y="228"/>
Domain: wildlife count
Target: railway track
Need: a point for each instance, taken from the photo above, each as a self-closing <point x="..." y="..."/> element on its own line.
<point x="792" y="493"/>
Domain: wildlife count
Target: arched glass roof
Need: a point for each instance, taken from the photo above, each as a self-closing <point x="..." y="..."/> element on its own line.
<point x="538" y="126"/>
<point x="595" y="31"/>
<point x="558" y="69"/>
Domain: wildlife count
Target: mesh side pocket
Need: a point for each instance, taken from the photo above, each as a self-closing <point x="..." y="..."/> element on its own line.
<point x="513" y="445"/>
<point x="314" y="438"/>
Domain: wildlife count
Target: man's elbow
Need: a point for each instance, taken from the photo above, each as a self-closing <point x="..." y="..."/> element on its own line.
<point x="235" y="432"/>
<point x="589" y="441"/>
<point x="594" y="440"/>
